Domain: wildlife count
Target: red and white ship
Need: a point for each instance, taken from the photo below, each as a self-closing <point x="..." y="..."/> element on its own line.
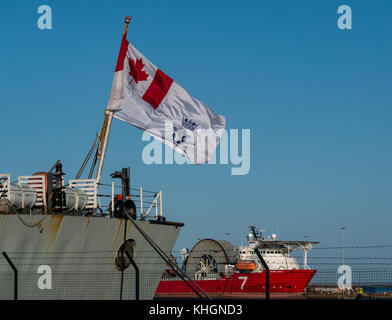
<point x="224" y="272"/>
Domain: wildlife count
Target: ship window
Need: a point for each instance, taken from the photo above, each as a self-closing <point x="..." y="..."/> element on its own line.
<point x="122" y="262"/>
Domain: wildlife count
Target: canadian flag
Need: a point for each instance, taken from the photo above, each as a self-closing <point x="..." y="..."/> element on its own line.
<point x="147" y="98"/>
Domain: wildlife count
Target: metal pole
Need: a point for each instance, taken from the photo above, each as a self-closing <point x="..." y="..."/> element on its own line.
<point x="156" y="206"/>
<point x="125" y="183"/>
<point x="160" y="203"/>
<point x="15" y="274"/>
<point x="343" y="256"/>
<point x="109" y="114"/>
<point x="136" y="273"/>
<point x="112" y="198"/>
<point x="266" y="273"/>
<point x="306" y="259"/>
<point x="141" y="200"/>
<point x="123" y="260"/>
<point x="343" y="228"/>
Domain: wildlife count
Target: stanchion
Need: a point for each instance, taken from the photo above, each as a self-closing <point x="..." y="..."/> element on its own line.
<point x="137" y="274"/>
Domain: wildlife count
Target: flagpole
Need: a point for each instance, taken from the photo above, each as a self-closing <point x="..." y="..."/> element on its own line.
<point x="106" y="126"/>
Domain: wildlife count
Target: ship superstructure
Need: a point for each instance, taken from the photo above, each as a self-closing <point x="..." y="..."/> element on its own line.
<point x="276" y="253"/>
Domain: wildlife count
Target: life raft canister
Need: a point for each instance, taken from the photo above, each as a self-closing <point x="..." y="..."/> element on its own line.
<point x="245" y="266"/>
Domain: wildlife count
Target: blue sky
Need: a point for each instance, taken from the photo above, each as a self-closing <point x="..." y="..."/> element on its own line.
<point x="317" y="100"/>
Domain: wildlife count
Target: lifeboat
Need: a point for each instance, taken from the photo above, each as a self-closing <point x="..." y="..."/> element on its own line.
<point x="245" y="266"/>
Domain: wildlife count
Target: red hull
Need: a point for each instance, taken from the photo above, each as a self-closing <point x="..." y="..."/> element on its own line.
<point x="283" y="284"/>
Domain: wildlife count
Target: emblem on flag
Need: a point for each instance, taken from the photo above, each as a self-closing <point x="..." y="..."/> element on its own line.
<point x="136" y="70"/>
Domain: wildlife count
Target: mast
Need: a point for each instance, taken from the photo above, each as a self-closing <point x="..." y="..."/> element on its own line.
<point x="104" y="135"/>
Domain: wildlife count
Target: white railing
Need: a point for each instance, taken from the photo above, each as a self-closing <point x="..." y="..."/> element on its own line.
<point x="38" y="183"/>
<point x="88" y="186"/>
<point x="155" y="203"/>
<point x="5" y="186"/>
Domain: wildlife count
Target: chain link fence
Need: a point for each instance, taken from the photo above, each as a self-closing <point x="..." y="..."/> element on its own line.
<point x="95" y="275"/>
<point x="115" y="285"/>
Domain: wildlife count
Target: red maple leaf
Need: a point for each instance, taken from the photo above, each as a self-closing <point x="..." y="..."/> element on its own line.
<point x="136" y="70"/>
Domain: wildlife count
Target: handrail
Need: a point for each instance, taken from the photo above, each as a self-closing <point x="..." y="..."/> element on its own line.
<point x="6" y="186"/>
<point x="154" y="203"/>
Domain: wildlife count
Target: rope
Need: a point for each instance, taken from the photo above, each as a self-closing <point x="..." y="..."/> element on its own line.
<point x="93" y="165"/>
<point x="87" y="157"/>
<point x="31" y="225"/>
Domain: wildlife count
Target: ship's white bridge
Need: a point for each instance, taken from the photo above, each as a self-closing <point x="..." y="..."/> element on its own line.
<point x="276" y="253"/>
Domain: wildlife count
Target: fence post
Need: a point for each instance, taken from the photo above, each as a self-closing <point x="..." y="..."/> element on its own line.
<point x="267" y="289"/>
<point x="122" y="254"/>
<point x="15" y="274"/>
<point x="137" y="273"/>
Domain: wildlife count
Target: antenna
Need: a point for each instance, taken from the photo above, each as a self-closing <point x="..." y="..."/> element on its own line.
<point x="254" y="231"/>
<point x="242" y="236"/>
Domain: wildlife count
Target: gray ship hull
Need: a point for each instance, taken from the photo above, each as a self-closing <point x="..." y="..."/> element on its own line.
<point x="80" y="252"/>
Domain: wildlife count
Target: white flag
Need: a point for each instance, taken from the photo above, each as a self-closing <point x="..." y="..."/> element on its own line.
<point x="147" y="98"/>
